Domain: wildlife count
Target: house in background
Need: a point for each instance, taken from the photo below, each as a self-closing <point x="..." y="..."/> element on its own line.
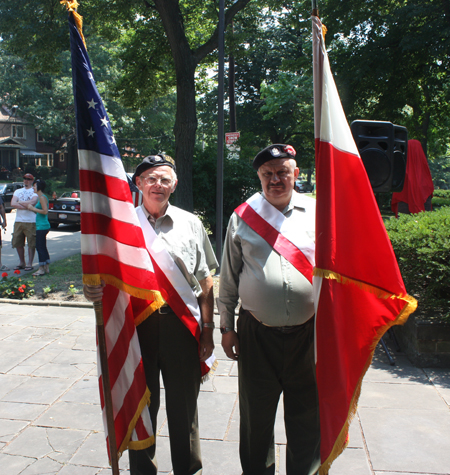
<point x="21" y="144"/>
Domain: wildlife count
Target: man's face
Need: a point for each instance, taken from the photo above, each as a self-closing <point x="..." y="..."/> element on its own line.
<point x="277" y="179"/>
<point x="28" y="182"/>
<point x="157" y="193"/>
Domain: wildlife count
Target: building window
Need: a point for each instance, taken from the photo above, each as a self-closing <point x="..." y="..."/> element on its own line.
<point x="45" y="161"/>
<point x="18" y="131"/>
<point x="39" y="137"/>
<point x="61" y="157"/>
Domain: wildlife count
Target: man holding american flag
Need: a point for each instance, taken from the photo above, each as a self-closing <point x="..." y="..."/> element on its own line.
<point x="166" y="342"/>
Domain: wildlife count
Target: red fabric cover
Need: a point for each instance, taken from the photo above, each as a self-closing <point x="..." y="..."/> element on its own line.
<point x="418" y="182"/>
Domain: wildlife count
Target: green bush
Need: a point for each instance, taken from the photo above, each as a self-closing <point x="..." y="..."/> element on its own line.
<point x="421" y="243"/>
<point x="43" y="173"/>
<point x="441" y="194"/>
<point x="55" y="172"/>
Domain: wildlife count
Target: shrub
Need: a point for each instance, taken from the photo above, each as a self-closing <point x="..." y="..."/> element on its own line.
<point x="43" y="172"/>
<point x="421" y="243"/>
<point x="441" y="194"/>
<point x="55" y="172"/>
<point x="14" y="287"/>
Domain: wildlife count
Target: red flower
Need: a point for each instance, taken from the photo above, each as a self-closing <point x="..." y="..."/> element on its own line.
<point x="17" y="271"/>
<point x="21" y="290"/>
<point x="23" y="286"/>
<point x="12" y="292"/>
<point x="290" y="150"/>
<point x="5" y="274"/>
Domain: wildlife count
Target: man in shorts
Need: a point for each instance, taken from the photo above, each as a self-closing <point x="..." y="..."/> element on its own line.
<point x="25" y="224"/>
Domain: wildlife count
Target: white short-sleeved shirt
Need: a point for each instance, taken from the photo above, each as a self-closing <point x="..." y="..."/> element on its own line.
<point x="24" y="215"/>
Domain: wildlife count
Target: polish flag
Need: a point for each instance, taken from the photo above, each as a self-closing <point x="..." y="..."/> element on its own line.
<point x="359" y="292"/>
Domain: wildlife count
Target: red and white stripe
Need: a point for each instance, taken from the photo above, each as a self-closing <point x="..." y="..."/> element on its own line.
<point x="113" y="249"/>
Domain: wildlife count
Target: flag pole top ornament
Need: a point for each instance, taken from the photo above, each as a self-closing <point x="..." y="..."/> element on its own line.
<point x="72" y="6"/>
<point x="273" y="151"/>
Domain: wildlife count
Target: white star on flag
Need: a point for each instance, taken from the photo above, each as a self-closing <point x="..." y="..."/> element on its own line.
<point x="90" y="132"/>
<point x="104" y="121"/>
<point x="92" y="103"/>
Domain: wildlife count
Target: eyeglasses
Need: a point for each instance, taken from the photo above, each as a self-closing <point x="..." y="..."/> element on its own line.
<point x="152" y="180"/>
<point x="28" y="178"/>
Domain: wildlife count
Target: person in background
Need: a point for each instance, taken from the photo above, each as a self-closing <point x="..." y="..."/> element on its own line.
<point x="3" y="268"/>
<point x="42" y="227"/>
<point x="25" y="224"/>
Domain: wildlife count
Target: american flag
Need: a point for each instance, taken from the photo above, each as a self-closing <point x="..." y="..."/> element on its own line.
<point x="113" y="250"/>
<point x="359" y="292"/>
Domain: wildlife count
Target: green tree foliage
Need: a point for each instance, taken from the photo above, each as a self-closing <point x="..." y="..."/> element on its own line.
<point x="391" y="60"/>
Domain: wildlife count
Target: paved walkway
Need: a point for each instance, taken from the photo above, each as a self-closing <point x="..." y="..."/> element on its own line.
<point x="50" y="419"/>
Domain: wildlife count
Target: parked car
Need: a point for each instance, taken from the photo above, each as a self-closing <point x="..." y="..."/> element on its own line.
<point x="303" y="187"/>
<point x="65" y="209"/>
<point x="6" y="192"/>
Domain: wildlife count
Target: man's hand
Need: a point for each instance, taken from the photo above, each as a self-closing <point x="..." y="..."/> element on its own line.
<point x="206" y="344"/>
<point x="94" y="293"/>
<point x="230" y="340"/>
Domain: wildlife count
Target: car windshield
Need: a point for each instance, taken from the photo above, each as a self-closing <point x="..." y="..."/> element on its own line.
<point x="70" y="194"/>
<point x="2" y="187"/>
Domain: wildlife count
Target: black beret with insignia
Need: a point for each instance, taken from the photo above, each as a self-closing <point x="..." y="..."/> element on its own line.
<point x="153" y="161"/>
<point x="277" y="150"/>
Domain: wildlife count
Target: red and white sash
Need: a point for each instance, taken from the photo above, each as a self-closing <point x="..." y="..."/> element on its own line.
<point x="177" y="292"/>
<point x="290" y="238"/>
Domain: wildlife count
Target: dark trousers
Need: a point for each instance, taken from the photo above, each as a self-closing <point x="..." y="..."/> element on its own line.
<point x="168" y="347"/>
<point x="270" y="363"/>
<point x="41" y="246"/>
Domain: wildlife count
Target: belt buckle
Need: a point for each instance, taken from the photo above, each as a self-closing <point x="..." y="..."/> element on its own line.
<point x="165" y="309"/>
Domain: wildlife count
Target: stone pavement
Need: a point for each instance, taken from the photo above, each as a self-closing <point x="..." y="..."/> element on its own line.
<point x="50" y="419"/>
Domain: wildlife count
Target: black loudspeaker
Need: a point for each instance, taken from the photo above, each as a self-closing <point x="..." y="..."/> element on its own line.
<point x="383" y="147"/>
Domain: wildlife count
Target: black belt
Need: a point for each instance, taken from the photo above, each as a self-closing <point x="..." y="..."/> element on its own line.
<point x="285" y="329"/>
<point x="165" y="309"/>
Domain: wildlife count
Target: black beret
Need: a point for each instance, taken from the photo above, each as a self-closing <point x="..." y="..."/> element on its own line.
<point x="153" y="161"/>
<point x="277" y="150"/>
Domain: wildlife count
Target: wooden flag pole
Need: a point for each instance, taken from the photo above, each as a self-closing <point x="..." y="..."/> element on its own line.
<point x="98" y="308"/>
<point x="315" y="8"/>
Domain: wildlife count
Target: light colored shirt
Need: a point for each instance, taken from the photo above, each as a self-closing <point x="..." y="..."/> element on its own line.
<point x="269" y="286"/>
<point x="187" y="243"/>
<point x="25" y="215"/>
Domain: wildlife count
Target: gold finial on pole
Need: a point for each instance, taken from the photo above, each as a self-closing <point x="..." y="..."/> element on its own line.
<point x="72" y="6"/>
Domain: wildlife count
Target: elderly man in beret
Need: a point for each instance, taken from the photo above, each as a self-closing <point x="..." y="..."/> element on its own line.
<point x="267" y="263"/>
<point x="167" y="345"/>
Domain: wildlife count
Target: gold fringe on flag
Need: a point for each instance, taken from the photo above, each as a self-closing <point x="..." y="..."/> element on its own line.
<point x="137" y="444"/>
<point x="410" y="306"/>
<point x="72" y="6"/>
<point x="154" y="295"/>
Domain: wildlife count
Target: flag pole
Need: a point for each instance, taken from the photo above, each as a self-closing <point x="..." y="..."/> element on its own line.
<point x="315" y="9"/>
<point x="98" y="308"/>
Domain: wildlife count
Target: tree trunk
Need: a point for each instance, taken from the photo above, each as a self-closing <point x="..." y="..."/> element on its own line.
<point x="184" y="130"/>
<point x="73" y="170"/>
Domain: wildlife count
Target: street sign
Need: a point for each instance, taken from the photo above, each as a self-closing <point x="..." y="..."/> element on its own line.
<point x="231" y="137"/>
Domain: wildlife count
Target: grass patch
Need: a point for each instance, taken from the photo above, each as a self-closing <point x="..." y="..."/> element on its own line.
<point x="65" y="280"/>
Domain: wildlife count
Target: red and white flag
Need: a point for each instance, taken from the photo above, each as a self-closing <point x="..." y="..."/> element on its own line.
<point x="139" y="274"/>
<point x="359" y="292"/>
